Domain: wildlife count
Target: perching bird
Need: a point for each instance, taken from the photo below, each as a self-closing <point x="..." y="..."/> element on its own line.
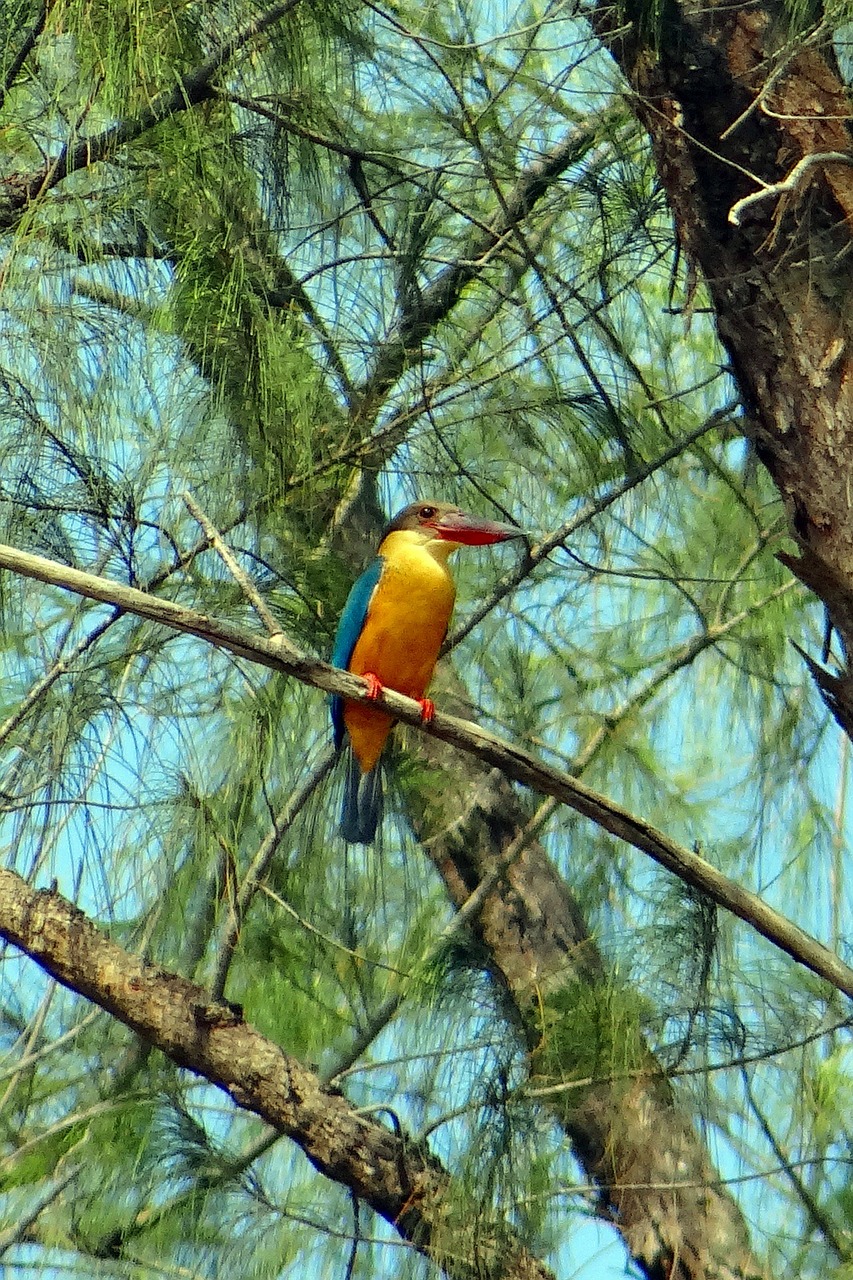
<point x="390" y="632"/>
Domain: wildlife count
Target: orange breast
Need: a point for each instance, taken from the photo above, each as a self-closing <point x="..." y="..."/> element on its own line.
<point x="403" y="632"/>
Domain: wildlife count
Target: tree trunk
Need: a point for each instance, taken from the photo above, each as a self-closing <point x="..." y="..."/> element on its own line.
<point x="734" y="104"/>
<point x="590" y="1063"/>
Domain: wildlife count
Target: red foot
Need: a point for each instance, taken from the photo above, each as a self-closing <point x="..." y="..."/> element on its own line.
<point x="374" y="685"/>
<point x="427" y="710"/>
<point x="375" y="688"/>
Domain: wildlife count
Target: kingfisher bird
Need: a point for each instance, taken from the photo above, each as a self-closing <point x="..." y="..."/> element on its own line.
<point x="391" y="630"/>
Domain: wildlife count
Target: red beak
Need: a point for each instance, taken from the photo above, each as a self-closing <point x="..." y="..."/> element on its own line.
<point x="473" y="531"/>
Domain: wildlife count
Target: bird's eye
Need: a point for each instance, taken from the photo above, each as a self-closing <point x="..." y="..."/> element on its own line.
<point x="426" y="513"/>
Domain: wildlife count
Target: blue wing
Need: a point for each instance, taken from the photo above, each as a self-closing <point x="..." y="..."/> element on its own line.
<point x="349" y="629"/>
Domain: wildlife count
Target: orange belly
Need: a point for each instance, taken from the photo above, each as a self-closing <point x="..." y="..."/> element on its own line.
<point x="403" y="632"/>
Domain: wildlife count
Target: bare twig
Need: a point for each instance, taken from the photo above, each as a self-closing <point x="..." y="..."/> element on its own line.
<point x="258" y="869"/>
<point x="770" y="191"/>
<point x="225" y="554"/>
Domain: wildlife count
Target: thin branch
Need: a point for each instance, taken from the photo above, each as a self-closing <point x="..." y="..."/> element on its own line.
<point x="683" y="657"/>
<point x="436" y="301"/>
<point x="819" y="1218"/>
<point x="191" y="89"/>
<point x="704" y="1069"/>
<point x="216" y="540"/>
<point x="19" y="1230"/>
<point x="467" y="913"/>
<point x="510" y="758"/>
<point x="41" y="687"/>
<point x="62" y="665"/>
<point x="33" y="1034"/>
<point x="258" y="869"/>
<point x="397" y="1177"/>
<point x="27" y="45"/>
<point x="795" y="178"/>
<point x="564" y="531"/>
<point x="46" y="1050"/>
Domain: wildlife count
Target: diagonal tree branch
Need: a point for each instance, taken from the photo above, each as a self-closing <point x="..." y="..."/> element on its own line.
<point x="564" y="532"/>
<point x="191" y="89"/>
<point x="436" y="301"/>
<point x="512" y="760"/>
<point x="396" y="1176"/>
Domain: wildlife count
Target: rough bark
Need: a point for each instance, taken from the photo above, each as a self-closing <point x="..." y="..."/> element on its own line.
<point x="733" y="105"/>
<point x="394" y="1175"/>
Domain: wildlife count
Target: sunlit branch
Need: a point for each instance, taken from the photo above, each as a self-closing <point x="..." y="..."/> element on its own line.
<point x="396" y="1176"/>
<point x="216" y="541"/>
<point x="515" y="762"/>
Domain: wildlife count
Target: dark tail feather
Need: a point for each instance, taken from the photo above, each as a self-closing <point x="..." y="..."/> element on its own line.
<point x="362" y="807"/>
